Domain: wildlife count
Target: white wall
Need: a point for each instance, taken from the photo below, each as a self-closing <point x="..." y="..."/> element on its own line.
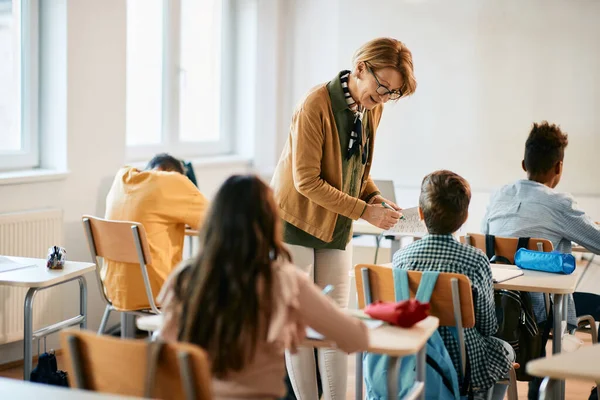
<point x="485" y="69"/>
<point x="95" y="141"/>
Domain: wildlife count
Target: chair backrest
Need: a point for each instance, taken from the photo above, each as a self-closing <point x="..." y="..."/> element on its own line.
<point x="387" y="189"/>
<point x="119" y="241"/>
<point x="506" y="246"/>
<point x="381" y="282"/>
<point x="115" y="240"/>
<point x="119" y="366"/>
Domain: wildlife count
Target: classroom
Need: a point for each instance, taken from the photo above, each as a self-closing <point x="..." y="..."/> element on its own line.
<point x="299" y="199"/>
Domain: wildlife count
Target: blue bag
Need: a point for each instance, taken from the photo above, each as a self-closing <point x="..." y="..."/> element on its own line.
<point x="558" y="263"/>
<point x="441" y="380"/>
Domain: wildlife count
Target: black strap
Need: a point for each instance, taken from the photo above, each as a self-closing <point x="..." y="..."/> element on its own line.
<point x="490" y="251"/>
<point x="490" y="246"/>
<point x="447" y="382"/>
<point x="523" y="243"/>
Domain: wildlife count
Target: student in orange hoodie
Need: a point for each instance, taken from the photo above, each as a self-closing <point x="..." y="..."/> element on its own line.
<point x="164" y="200"/>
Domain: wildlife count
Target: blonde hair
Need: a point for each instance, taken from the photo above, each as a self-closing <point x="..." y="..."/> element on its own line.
<point x="388" y="53"/>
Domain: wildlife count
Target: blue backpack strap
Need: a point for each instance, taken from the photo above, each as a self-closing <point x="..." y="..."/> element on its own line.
<point x="428" y="281"/>
<point x="401" y="289"/>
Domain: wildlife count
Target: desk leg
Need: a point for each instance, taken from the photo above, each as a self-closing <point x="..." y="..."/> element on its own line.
<point x="395" y="246"/>
<point x="127" y="326"/>
<point x="392" y="377"/>
<point x="559" y="312"/>
<point x="358" y="386"/>
<point x="191" y="245"/>
<point x="28" y="333"/>
<point x="82" y="301"/>
<point x="421" y="369"/>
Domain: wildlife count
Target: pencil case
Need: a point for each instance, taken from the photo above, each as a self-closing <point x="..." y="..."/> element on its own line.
<point x="555" y="262"/>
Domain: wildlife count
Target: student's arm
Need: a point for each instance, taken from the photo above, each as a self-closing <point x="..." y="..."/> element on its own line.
<point x="183" y="202"/>
<point x="170" y="306"/>
<point x="485" y="308"/>
<point x="580" y="228"/>
<point x="485" y="228"/>
<point x="321" y="314"/>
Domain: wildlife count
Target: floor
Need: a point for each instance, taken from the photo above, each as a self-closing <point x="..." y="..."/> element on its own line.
<point x="574" y="390"/>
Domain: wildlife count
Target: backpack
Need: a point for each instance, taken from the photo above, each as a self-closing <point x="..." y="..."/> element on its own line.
<point x="441" y="377"/>
<point x="47" y="371"/>
<point x="516" y="322"/>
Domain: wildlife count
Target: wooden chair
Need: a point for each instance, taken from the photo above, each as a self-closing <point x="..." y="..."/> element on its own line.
<point x="451" y="302"/>
<point x="119" y="241"/>
<point x="506" y="246"/>
<point x="125" y="367"/>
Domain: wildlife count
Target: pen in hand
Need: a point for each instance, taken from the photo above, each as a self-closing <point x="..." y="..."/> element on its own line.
<point x="385" y="205"/>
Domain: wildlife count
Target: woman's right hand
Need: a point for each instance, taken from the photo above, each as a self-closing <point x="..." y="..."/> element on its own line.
<point x="381" y="217"/>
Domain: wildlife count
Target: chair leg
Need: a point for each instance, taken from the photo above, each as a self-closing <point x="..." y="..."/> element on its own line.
<point x="104" y="320"/>
<point x="513" y="394"/>
<point x="589" y="320"/>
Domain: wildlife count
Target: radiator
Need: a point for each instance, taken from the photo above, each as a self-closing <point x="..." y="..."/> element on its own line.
<point x="29" y="234"/>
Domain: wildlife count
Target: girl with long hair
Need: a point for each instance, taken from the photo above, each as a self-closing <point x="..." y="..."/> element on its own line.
<point x="244" y="302"/>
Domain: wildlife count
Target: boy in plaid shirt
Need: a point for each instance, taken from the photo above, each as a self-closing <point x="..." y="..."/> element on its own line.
<point x="443" y="205"/>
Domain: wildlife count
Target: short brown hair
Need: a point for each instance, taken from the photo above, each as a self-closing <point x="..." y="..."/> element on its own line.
<point x="389" y="53"/>
<point x="444" y="200"/>
<point x="545" y="147"/>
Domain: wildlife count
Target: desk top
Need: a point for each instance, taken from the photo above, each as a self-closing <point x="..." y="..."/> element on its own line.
<point x="362" y="227"/>
<point x="22" y="390"/>
<point x="393" y="340"/>
<point x="581" y="364"/>
<point x="150" y="323"/>
<point x="540" y="282"/>
<point x="386" y="339"/>
<point x="39" y="276"/>
<point x="191" y="232"/>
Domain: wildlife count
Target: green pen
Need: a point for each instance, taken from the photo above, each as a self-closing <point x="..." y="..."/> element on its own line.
<point x="390" y="208"/>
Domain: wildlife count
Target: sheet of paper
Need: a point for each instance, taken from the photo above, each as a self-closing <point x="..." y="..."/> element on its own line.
<point x="370" y="323"/>
<point x="410" y="225"/>
<point x="373" y="323"/>
<point x="500" y="274"/>
<point x="7" y="264"/>
<point x="312" y="334"/>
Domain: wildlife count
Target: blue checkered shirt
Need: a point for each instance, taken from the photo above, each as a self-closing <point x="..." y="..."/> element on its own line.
<point x="530" y="209"/>
<point x="488" y="360"/>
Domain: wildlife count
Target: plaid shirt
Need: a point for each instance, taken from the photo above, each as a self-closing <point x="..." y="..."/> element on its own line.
<point x="488" y="360"/>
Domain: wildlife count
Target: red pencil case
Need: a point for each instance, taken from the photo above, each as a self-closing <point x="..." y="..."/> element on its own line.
<point x="403" y="313"/>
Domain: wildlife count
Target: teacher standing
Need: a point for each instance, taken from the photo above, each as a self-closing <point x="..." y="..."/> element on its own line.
<point x="322" y="184"/>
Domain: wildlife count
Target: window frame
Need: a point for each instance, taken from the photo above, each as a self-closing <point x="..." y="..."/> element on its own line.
<point x="171" y="76"/>
<point x="29" y="156"/>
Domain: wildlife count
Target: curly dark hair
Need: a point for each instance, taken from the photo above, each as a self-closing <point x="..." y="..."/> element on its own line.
<point x="444" y="200"/>
<point x="544" y="148"/>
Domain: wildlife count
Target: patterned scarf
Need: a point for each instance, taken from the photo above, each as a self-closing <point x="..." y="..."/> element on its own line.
<point x="356" y="135"/>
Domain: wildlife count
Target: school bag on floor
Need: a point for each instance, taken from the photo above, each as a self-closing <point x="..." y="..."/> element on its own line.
<point x="441" y="378"/>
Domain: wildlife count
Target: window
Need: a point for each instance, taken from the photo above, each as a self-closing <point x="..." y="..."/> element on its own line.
<point x="174" y="85"/>
<point x="18" y="84"/>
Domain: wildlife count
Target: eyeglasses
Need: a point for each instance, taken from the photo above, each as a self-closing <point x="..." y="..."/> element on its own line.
<point x="382" y="90"/>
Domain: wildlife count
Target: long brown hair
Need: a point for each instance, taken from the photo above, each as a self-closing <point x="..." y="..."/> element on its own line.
<point x="226" y="290"/>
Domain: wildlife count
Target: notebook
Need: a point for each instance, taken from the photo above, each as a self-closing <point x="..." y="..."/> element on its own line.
<point x="7" y="264"/>
<point x="409" y="225"/>
<point x="503" y="274"/>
